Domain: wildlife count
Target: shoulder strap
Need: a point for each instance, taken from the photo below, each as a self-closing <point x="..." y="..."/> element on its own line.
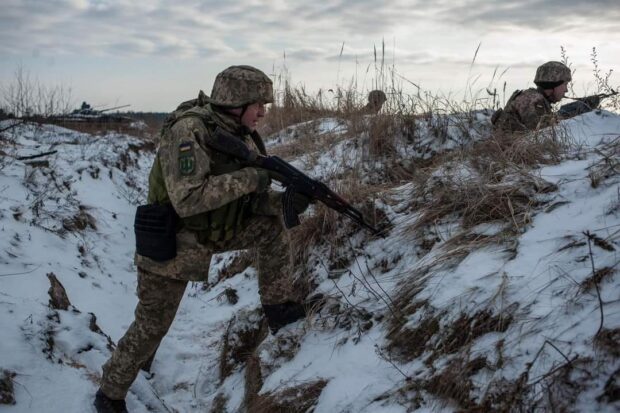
<point x="258" y="141"/>
<point x="514" y="95"/>
<point x="184" y="110"/>
<point x="498" y="113"/>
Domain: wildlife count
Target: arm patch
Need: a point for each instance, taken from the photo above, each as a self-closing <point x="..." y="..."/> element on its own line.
<point x="187" y="159"/>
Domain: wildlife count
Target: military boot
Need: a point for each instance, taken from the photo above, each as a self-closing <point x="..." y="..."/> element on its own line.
<point x="146" y="367"/>
<point x="104" y="404"/>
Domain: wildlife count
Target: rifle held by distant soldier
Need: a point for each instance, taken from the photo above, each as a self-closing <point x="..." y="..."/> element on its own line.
<point x="583" y="104"/>
<point x="294" y="180"/>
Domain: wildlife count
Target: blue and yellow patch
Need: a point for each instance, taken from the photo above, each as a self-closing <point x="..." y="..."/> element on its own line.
<point x="187" y="160"/>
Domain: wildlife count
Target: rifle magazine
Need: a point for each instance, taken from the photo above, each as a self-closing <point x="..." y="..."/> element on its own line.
<point x="291" y="219"/>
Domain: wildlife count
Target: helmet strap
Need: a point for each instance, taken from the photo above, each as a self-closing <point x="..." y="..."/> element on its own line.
<point x="243" y="109"/>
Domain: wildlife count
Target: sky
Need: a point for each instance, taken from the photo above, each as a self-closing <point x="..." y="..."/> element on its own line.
<point x="155" y="54"/>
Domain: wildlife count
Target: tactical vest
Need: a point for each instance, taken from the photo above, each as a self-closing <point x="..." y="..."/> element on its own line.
<point x="499" y="112"/>
<point x="220" y="224"/>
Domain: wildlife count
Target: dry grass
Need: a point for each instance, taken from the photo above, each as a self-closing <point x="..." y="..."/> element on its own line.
<point x="555" y="391"/>
<point x="407" y="342"/>
<point x="307" y="139"/>
<point x="219" y="404"/>
<point x="597" y="278"/>
<point x="7" y="391"/>
<point x="326" y="226"/>
<point x="239" y="342"/>
<point x="467" y="328"/>
<point x="608" y="166"/>
<point x="487" y="183"/>
<point x="80" y="221"/>
<point x="611" y="391"/>
<point x="294" y="106"/>
<point x="238" y="264"/>
<point x="607" y="340"/>
<point x="298" y="399"/>
<point x="454" y="382"/>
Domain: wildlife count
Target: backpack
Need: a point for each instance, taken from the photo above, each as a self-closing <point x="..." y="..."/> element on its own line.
<point x="498" y="112"/>
<point x="178" y="113"/>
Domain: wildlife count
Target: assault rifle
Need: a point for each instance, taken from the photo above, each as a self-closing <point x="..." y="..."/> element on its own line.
<point x="292" y="178"/>
<point x="584" y="104"/>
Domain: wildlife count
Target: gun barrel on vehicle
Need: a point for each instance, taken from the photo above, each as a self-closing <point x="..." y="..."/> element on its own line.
<point x="116" y="107"/>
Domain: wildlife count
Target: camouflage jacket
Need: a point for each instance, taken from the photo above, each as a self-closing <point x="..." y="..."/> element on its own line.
<point x="212" y="193"/>
<point x="526" y="110"/>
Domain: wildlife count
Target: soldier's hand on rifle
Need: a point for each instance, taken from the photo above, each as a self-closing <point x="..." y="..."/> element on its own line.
<point x="592" y="101"/>
<point x="277" y="177"/>
<point x="300" y="203"/>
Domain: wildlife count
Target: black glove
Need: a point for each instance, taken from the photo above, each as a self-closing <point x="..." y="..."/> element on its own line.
<point x="264" y="181"/>
<point x="300" y="203"/>
<point x="592" y="101"/>
<point x="277" y="177"/>
<point x="573" y="109"/>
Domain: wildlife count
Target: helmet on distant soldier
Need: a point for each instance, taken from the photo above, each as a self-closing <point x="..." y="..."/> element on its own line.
<point x="376" y="97"/>
<point x="552" y="74"/>
<point x="239" y="86"/>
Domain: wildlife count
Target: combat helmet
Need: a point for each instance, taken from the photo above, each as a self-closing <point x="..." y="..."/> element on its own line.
<point x="552" y="74"/>
<point x="376" y="97"/>
<point x="238" y="86"/>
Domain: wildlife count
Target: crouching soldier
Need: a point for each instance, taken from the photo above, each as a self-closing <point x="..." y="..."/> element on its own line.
<point x="530" y="109"/>
<point x="202" y="202"/>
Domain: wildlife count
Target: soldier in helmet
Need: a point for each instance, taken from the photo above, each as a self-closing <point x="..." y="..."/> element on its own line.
<point x="219" y="205"/>
<point x="530" y="109"/>
<point x="376" y="99"/>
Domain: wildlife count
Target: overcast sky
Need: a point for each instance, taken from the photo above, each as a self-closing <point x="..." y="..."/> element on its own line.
<point x="154" y="54"/>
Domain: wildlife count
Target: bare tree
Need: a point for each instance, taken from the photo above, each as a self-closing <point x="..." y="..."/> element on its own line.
<point x="25" y="96"/>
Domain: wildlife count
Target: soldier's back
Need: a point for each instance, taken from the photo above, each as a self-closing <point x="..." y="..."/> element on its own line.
<point x="526" y="110"/>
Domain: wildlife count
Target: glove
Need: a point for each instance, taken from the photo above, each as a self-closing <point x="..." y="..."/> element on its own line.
<point x="300" y="203"/>
<point x="573" y="109"/>
<point x="592" y="101"/>
<point x="276" y="176"/>
<point x="264" y="181"/>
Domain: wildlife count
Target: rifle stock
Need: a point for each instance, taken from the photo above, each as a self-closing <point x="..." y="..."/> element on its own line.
<point x="292" y="178"/>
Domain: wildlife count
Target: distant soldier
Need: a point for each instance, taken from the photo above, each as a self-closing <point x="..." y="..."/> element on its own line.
<point x="203" y="202"/>
<point x="376" y="99"/>
<point x="530" y="109"/>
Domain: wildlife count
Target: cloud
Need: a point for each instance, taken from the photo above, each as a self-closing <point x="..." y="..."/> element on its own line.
<point x="543" y="15"/>
<point x="247" y="28"/>
<point x="305" y="54"/>
<point x="80" y="26"/>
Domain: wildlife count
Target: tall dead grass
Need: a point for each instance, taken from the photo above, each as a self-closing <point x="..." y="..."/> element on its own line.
<point x="298" y="399"/>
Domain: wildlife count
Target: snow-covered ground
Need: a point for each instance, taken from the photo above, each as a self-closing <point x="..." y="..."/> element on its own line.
<point x="70" y="213"/>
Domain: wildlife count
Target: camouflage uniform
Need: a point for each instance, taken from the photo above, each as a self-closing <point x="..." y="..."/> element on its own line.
<point x="530" y="109"/>
<point x="526" y="110"/>
<point x="220" y="210"/>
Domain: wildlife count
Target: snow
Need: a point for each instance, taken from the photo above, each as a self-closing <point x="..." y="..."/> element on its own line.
<point x="538" y="285"/>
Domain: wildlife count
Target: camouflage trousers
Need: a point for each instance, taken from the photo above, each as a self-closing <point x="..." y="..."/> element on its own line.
<point x="159" y="298"/>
